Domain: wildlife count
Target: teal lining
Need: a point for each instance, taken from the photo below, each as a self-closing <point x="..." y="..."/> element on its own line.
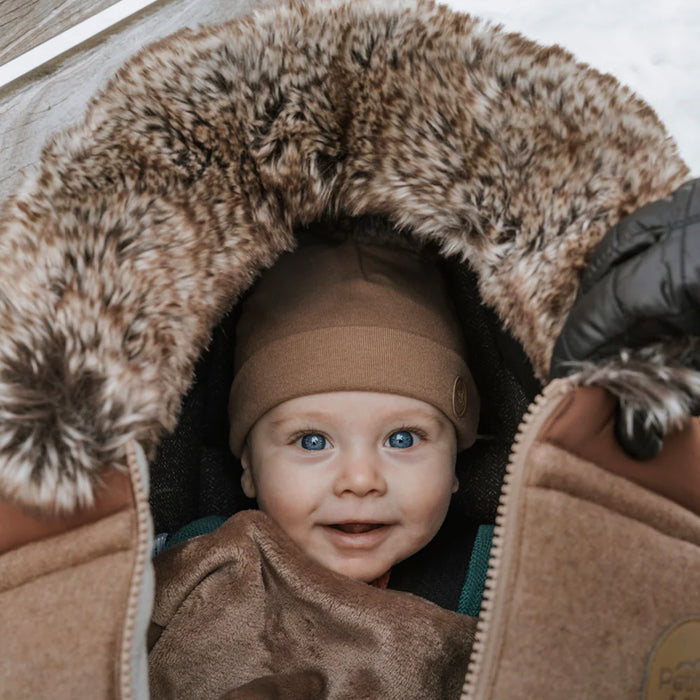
<point x="473" y="589"/>
<point x="198" y="527"/>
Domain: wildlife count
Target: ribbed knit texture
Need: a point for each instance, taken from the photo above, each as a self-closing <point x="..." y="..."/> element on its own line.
<point x="473" y="589"/>
<point x="350" y="317"/>
<point x="198" y="527"/>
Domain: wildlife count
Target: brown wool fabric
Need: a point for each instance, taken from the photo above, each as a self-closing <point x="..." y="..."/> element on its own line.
<point x="350" y="317"/>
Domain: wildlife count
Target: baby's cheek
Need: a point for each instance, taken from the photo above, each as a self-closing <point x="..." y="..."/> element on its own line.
<point x="279" y="500"/>
<point x="431" y="503"/>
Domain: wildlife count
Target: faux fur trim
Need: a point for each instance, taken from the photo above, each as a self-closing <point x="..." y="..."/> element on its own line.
<point x="656" y="385"/>
<point x="143" y="224"/>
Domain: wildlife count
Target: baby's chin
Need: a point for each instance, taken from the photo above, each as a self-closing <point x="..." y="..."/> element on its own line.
<point x="366" y="571"/>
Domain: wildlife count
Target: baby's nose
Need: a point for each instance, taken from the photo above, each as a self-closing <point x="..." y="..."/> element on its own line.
<point x="361" y="475"/>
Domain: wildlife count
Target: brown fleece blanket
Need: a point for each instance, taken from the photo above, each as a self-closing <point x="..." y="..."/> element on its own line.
<point x="243" y="613"/>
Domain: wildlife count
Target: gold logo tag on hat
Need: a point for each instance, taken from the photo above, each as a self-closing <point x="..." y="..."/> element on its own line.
<point x="459" y="397"/>
<point x="673" y="672"/>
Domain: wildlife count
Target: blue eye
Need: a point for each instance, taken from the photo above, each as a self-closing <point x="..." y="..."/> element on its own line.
<point x="400" y="439"/>
<point x="313" y="441"/>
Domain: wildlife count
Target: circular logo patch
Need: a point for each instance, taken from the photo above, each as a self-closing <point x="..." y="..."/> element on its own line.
<point x="673" y="672"/>
<point x="459" y="397"/>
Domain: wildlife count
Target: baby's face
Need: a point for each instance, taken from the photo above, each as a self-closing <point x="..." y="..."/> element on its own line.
<point x="359" y="480"/>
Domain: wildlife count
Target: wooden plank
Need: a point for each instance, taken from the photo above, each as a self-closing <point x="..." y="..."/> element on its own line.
<point x="56" y="95"/>
<point x="26" y="23"/>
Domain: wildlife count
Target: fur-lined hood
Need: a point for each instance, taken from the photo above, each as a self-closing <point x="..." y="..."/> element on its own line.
<point x="143" y="224"/>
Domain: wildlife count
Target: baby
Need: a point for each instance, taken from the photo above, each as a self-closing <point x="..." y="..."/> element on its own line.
<point x="350" y="401"/>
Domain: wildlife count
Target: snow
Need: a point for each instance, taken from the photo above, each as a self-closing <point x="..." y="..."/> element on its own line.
<point x="652" y="46"/>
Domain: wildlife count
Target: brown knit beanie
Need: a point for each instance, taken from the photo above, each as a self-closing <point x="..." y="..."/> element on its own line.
<point x="350" y="317"/>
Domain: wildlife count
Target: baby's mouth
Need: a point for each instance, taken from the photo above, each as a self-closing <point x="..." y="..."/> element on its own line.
<point x="356" y="528"/>
<point x="355" y="535"/>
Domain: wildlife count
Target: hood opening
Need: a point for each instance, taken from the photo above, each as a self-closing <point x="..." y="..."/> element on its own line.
<point x="194" y="473"/>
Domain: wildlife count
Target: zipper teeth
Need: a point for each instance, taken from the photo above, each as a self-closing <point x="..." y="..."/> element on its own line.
<point x="503" y="518"/>
<point x="125" y="673"/>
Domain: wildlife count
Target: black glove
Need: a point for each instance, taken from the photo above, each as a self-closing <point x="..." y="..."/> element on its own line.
<point x="642" y="285"/>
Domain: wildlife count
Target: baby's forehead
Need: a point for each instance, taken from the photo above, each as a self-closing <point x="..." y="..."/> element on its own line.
<point x="358" y="407"/>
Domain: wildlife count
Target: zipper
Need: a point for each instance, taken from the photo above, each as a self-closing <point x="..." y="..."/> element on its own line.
<point x="132" y="681"/>
<point x="487" y="641"/>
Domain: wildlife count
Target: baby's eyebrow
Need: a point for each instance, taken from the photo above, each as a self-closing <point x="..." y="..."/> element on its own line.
<point x="306" y="417"/>
<point x="415" y="415"/>
<point x="399" y="416"/>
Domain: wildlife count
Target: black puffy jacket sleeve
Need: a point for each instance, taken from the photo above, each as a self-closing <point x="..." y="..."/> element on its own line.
<point x="641" y="285"/>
